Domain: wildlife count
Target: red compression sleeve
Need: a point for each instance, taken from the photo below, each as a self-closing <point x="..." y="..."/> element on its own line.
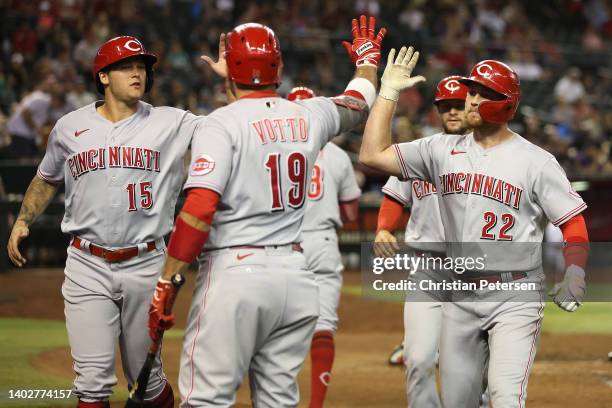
<point x="186" y="242"/>
<point x="389" y="214"/>
<point x="576" y="239"/>
<point x="349" y="210"/>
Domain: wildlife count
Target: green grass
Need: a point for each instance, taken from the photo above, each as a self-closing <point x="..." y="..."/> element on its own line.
<point x="591" y="318"/>
<point x="24" y="339"/>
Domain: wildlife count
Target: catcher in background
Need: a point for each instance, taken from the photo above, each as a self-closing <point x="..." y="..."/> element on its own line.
<point x="424" y="233"/>
<point x="333" y="198"/>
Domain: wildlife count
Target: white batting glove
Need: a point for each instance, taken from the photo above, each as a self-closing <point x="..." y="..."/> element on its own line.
<point x="397" y="77"/>
<point x="569" y="293"/>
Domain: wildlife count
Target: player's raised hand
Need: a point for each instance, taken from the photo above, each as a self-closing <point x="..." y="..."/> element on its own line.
<point x="19" y="232"/>
<point x="385" y="244"/>
<point x="365" y="48"/>
<point x="569" y="293"/>
<point x="220" y="66"/>
<point x="397" y="73"/>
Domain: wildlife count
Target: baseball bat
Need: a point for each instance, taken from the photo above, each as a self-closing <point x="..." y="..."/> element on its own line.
<point x="136" y="398"/>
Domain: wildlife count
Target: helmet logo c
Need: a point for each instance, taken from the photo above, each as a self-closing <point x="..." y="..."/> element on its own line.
<point x="485" y="70"/>
<point x="132" y="45"/>
<point x="452" y="85"/>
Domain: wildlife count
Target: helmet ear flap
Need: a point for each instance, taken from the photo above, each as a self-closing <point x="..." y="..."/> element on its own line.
<point x="497" y="112"/>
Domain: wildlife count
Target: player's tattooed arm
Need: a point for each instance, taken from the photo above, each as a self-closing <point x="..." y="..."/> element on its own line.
<point x="37" y="198"/>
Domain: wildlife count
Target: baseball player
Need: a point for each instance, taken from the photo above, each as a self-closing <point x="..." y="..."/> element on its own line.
<point x="333" y="196"/>
<point x="255" y="304"/>
<point x="122" y="164"/>
<point x="424" y="233"/>
<point x="493" y="186"/>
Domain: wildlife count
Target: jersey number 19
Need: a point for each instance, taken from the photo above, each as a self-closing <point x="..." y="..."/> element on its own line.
<point x="296" y="172"/>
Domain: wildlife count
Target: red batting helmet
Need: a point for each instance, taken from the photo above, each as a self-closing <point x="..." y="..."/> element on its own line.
<point x="120" y="48"/>
<point x="451" y="88"/>
<point x="300" y="92"/>
<point x="502" y="79"/>
<point x="253" y="55"/>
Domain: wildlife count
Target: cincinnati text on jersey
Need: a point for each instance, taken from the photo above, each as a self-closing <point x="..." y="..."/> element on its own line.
<point x="112" y="157"/>
<point x="481" y="184"/>
<point x="422" y="188"/>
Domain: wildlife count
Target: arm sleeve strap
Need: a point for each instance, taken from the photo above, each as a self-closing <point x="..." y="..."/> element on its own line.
<point x="576" y="237"/>
<point x="389" y="214"/>
<point x="186" y="241"/>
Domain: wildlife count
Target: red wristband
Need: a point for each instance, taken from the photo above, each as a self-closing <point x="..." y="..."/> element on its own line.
<point x="576" y="237"/>
<point x="186" y="242"/>
<point x="389" y="215"/>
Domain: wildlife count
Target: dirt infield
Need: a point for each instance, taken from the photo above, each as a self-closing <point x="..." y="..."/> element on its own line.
<point x="570" y="371"/>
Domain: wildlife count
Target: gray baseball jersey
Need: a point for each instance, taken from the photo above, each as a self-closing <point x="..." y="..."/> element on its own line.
<point x="258" y="154"/>
<point x="122" y="180"/>
<point x="119" y="174"/>
<point x="424" y="229"/>
<point x="333" y="180"/>
<point x="503" y="194"/>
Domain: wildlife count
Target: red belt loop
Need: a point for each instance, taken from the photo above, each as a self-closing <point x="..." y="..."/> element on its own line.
<point x="113" y="255"/>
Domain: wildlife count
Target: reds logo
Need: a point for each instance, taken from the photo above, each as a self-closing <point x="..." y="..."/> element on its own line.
<point x="485" y="70"/>
<point x="202" y="165"/>
<point x="132" y="45"/>
<point x="452" y="85"/>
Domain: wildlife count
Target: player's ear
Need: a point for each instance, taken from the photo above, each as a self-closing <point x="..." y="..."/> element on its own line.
<point x="103" y="76"/>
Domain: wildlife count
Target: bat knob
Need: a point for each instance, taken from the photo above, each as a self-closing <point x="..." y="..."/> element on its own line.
<point x="177" y="280"/>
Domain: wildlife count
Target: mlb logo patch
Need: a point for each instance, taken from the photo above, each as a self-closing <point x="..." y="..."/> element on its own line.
<point x="202" y="165"/>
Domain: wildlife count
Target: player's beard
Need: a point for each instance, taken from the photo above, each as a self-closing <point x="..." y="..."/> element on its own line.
<point x="454" y="128"/>
<point x="474" y="119"/>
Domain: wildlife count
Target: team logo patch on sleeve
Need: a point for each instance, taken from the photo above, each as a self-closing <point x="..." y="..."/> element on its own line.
<point x="202" y="165"/>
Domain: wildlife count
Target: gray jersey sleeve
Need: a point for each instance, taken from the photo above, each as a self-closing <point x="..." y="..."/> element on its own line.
<point x="348" y="189"/>
<point x="211" y="157"/>
<point x="338" y="114"/>
<point x="51" y="168"/>
<point x="555" y="195"/>
<point x="398" y="190"/>
<point x="415" y="159"/>
<point x="328" y="118"/>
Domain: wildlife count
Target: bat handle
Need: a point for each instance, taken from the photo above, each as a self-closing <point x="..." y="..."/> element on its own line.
<point x="177" y="281"/>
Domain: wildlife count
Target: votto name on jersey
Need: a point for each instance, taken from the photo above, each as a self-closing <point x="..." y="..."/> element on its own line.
<point x="112" y="157"/>
<point x="483" y="185"/>
<point x="289" y="129"/>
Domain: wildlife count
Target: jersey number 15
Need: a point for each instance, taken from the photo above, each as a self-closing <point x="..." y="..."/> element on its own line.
<point x="146" y="198"/>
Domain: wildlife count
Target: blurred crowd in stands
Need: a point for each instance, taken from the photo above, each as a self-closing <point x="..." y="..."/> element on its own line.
<point x="560" y="48"/>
